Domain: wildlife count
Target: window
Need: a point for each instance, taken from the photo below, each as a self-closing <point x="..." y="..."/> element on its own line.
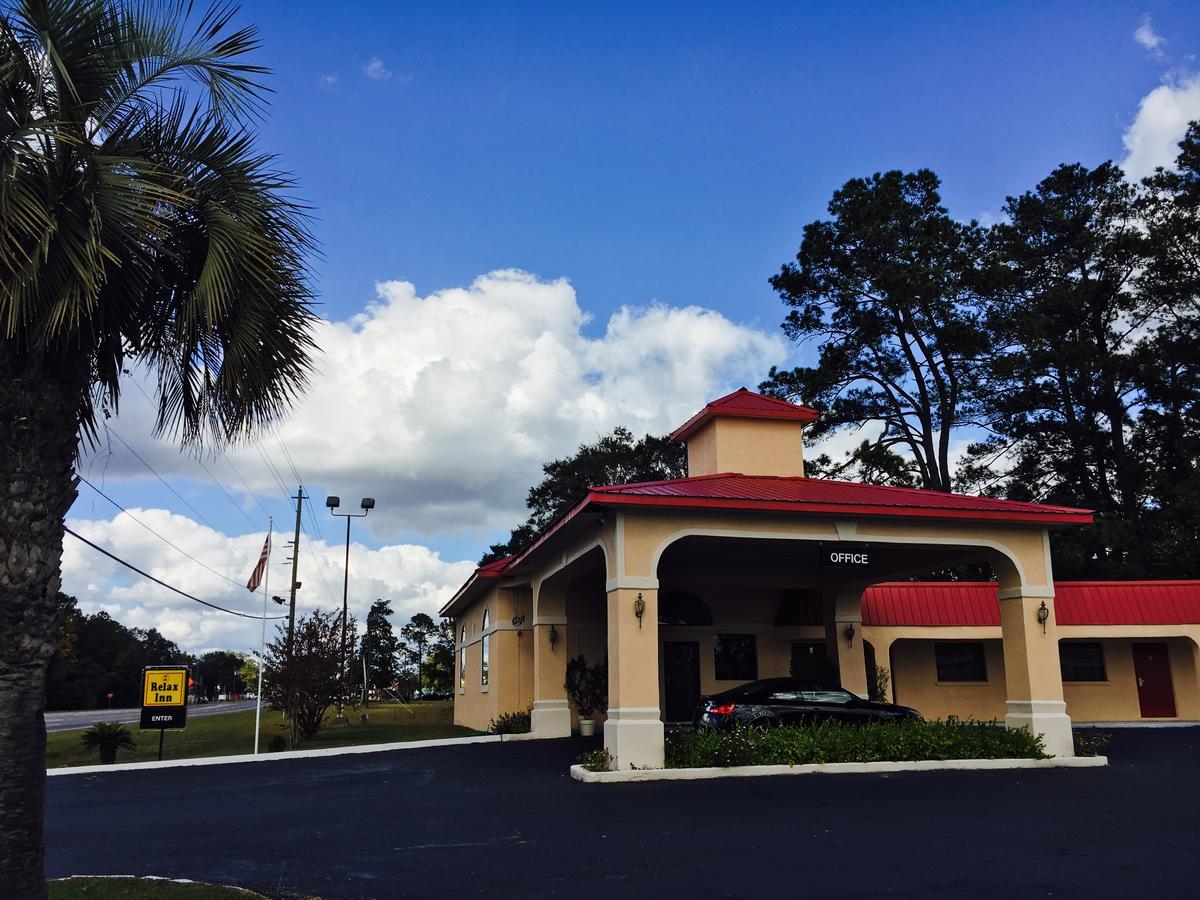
<point x="825" y="695"/>
<point x="960" y="662"/>
<point x="1082" y="661"/>
<point x="483" y="667"/>
<point x="462" y="661"/>
<point x="735" y="657"/>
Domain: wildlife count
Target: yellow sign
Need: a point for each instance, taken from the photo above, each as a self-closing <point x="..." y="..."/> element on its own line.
<point x="164" y="687"/>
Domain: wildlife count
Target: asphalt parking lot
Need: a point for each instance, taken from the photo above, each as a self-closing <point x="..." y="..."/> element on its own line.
<point x="507" y="820"/>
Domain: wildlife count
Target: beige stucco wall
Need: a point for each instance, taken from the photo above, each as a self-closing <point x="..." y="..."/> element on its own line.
<point x="914" y="674"/>
<point x="510" y="652"/>
<point x="748" y="446"/>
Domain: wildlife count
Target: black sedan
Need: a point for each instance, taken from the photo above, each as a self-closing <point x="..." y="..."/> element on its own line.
<point x="793" y="701"/>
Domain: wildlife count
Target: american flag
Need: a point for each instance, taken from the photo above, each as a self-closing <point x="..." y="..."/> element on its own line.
<point x="257" y="575"/>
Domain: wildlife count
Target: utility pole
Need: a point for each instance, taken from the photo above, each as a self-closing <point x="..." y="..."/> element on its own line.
<point x="292" y="605"/>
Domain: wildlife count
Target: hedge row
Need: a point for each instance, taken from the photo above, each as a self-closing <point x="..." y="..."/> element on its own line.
<point x="796" y="745"/>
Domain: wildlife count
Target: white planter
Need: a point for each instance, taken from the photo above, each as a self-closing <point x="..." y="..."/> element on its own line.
<point x="587" y="727"/>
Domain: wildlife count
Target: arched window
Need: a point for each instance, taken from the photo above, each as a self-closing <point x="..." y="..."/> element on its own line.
<point x="483" y="668"/>
<point x="682" y="608"/>
<point x="462" y="660"/>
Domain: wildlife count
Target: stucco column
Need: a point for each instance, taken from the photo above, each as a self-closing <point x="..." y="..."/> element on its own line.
<point x="1032" y="673"/>
<point x="633" y="732"/>
<point x="551" y="717"/>
<point x="847" y="654"/>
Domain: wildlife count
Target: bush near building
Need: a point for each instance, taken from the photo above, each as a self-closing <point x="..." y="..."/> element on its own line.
<point x="795" y="745"/>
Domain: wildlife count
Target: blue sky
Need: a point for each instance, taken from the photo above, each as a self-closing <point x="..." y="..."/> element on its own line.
<point x="649" y="167"/>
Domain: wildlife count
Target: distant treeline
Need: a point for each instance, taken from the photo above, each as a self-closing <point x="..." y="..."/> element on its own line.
<point x="96" y="655"/>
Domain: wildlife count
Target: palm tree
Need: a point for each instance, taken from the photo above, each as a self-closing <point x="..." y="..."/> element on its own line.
<point x="139" y="226"/>
<point x="108" y="738"/>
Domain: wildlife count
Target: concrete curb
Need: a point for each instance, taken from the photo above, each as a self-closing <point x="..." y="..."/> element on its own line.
<point x="272" y="757"/>
<point x="579" y="773"/>
<point x="226" y="887"/>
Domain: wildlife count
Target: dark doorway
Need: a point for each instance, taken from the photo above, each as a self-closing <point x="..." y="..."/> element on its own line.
<point x="1152" y="668"/>
<point x="681" y="674"/>
<point x="810" y="659"/>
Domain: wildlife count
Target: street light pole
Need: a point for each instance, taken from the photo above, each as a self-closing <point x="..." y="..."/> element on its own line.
<point x="368" y="504"/>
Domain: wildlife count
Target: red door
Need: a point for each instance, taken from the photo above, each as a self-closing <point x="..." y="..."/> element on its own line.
<point x="1152" y="668"/>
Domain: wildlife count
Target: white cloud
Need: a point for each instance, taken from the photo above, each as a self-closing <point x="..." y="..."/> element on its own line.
<point x="444" y="407"/>
<point x="1148" y="38"/>
<point x="412" y="577"/>
<point x="1160" y="124"/>
<point x="327" y="81"/>
<point x="376" y="70"/>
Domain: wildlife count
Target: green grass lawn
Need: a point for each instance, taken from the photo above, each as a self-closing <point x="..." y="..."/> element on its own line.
<point x="233" y="733"/>
<point x="141" y="889"/>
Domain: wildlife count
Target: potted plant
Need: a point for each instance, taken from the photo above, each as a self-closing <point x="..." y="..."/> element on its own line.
<point x="107" y="737"/>
<point x="587" y="689"/>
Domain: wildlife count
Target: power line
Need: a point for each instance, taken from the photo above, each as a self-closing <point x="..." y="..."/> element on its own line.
<point x="210" y="475"/>
<point x="166" y="541"/>
<point x="184" y="499"/>
<point x="154" y="472"/>
<point x="159" y="581"/>
<point x="221" y="488"/>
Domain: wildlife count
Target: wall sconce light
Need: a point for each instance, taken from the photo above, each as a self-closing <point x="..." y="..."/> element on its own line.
<point x="850" y="635"/>
<point x="518" y="620"/>
<point x="1043" y="615"/>
<point x="552" y="636"/>
<point x="639" y="609"/>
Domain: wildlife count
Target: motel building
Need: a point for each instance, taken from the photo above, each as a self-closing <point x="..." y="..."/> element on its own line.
<point x="745" y="569"/>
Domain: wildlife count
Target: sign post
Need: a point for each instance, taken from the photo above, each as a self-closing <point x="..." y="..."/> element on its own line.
<point x="164" y="699"/>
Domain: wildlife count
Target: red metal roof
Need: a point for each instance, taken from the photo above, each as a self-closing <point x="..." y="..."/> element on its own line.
<point x="795" y="494"/>
<point x="744" y="404"/>
<point x="494" y="569"/>
<point x="956" y="603"/>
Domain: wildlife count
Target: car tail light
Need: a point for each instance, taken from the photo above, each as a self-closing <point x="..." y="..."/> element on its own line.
<point x="723" y="709"/>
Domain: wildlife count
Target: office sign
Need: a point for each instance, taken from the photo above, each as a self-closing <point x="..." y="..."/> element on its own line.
<point x="164" y="697"/>
<point x="846" y="556"/>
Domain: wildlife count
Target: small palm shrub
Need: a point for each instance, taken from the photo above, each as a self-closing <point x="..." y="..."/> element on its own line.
<point x="108" y="738"/>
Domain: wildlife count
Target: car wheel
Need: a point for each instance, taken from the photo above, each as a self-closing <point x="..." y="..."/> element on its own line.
<point x="762" y="724"/>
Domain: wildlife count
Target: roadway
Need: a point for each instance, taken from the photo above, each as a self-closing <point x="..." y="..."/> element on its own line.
<point x="506" y="820"/>
<point x="85" y="718"/>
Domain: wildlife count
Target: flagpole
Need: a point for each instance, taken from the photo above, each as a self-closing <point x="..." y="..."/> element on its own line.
<point x="262" y="643"/>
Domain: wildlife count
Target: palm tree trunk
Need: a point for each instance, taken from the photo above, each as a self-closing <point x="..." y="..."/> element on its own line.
<point x="38" y="438"/>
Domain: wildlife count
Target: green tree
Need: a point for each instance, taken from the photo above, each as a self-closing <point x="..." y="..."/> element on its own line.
<point x="1169" y="366"/>
<point x="307" y="684"/>
<point x="416" y="635"/>
<point x="439" y="670"/>
<point x="247" y="675"/>
<point x="217" y="672"/>
<point x="614" y="459"/>
<point x="139" y="225"/>
<point x="889" y="286"/>
<point x="381" y="646"/>
<point x="1063" y="395"/>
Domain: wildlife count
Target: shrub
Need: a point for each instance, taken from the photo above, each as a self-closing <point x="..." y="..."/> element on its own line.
<point x="877" y="684"/>
<point x="108" y="738"/>
<point x="587" y="686"/>
<point x="511" y="723"/>
<point x="830" y="742"/>
<point x="1091" y="742"/>
<point x="597" y="760"/>
<point x="277" y="743"/>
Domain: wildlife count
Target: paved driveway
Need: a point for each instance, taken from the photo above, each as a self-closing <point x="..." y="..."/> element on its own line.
<point x="506" y="820"/>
